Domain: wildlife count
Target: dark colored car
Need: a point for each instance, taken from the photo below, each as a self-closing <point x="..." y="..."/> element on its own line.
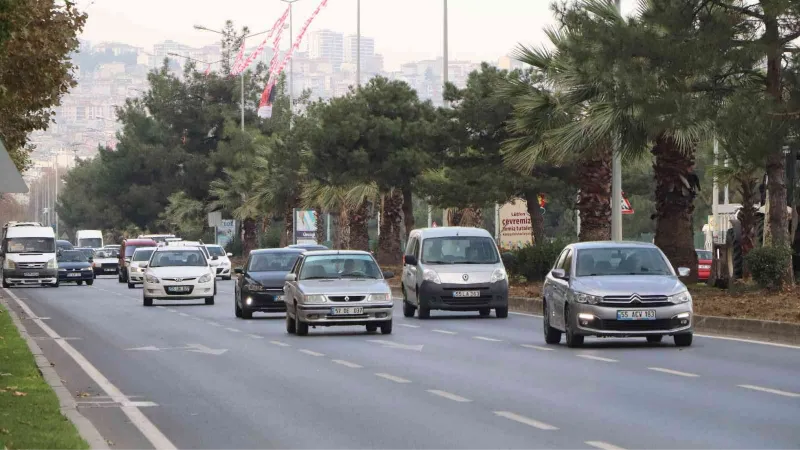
<point x="75" y="266"/>
<point x="260" y="283"/>
<point x="64" y="245"/>
<point x="704" y="258"/>
<point x="126" y="251"/>
<point x="308" y="247"/>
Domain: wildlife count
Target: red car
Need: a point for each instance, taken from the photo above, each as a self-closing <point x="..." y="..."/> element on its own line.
<point x="126" y="251"/>
<point x="703" y="264"/>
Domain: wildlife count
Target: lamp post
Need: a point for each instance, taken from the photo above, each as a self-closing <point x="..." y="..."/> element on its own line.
<point x="358" y="43"/>
<point x="616" y="181"/>
<point x="445" y="79"/>
<point x="291" y="60"/>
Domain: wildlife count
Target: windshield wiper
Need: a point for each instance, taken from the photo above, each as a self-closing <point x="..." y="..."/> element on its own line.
<point x="358" y="277"/>
<point x="320" y="278"/>
<point x="436" y="262"/>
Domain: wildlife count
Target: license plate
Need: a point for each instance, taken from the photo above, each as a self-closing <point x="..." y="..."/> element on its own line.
<point x="636" y="314"/>
<point x="109" y="270"/>
<point x="73" y="274"/>
<point x="179" y="289"/>
<point x="31" y="274"/>
<point x="345" y="311"/>
<point x="467" y="294"/>
<point x="705" y="266"/>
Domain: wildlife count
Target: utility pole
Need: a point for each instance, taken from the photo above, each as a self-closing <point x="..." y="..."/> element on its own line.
<point x="616" y="179"/>
<point x="445" y="79"/>
<point x="358" y="43"/>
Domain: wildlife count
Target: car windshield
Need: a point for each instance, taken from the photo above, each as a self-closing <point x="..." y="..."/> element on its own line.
<point x="129" y="249"/>
<point x="30" y="245"/>
<point x="215" y="251"/>
<point x="72" y="256"/>
<point x="64" y="245"/>
<point x="179" y="258"/>
<point x="459" y="250"/>
<point x="106" y="253"/>
<point x="340" y="266"/>
<point x="272" y="262"/>
<point x="703" y="254"/>
<point x="87" y="252"/>
<point x="621" y="261"/>
<point x="90" y="242"/>
<point x="142" y="255"/>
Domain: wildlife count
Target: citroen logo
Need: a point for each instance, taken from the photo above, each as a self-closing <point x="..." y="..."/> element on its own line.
<point x="465" y="277"/>
<point x="635" y="298"/>
<point x="347" y="298"/>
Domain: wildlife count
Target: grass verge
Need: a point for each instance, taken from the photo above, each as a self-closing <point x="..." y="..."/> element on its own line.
<point x="30" y="415"/>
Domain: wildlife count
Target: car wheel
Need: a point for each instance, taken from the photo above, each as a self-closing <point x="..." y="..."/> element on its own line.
<point x="119" y="277"/>
<point x="131" y="285"/>
<point x="146" y="301"/>
<point x="408" y="309"/>
<point x="247" y="313"/>
<point x="484" y="312"/>
<point x="209" y="300"/>
<point x="79" y="282"/>
<point x="683" y="340"/>
<point x="386" y="327"/>
<point x="290" y="324"/>
<point x="551" y="335"/>
<point x="501" y="313"/>
<point x="424" y="313"/>
<point x="89" y="282"/>
<point x="372" y="327"/>
<point x="655" y="338"/>
<point x="302" y="327"/>
<point x="6" y="285"/>
<point x="573" y="340"/>
<point x="56" y="284"/>
<point x="236" y="309"/>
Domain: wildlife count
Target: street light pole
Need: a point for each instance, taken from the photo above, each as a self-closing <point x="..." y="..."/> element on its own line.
<point x="616" y="180"/>
<point x="445" y="79"/>
<point x="358" y="43"/>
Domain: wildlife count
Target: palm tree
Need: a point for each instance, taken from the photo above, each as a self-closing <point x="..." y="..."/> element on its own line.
<point x="359" y="198"/>
<point x="232" y="194"/>
<point x="330" y="199"/>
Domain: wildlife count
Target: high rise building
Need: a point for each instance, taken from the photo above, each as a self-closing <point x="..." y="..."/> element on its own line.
<point x="351" y="48"/>
<point x="327" y="45"/>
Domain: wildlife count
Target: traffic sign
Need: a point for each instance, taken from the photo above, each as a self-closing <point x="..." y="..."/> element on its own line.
<point x="626" y="205"/>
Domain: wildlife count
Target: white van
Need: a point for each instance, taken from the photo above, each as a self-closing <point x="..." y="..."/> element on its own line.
<point x="28" y="255"/>
<point x="89" y="239"/>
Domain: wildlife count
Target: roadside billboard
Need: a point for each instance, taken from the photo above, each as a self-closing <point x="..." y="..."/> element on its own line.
<point x="305" y="226"/>
<point x="225" y="232"/>
<point x="516" y="229"/>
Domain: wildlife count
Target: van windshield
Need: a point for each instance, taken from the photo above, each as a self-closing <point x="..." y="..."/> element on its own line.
<point x="459" y="250"/>
<point x="30" y="245"/>
<point x="90" y="242"/>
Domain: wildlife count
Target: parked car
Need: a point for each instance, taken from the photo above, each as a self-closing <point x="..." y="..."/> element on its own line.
<point x="704" y="258"/>
<point x="259" y="286"/>
<point x="75" y="266"/>
<point x="616" y="289"/>
<point x="333" y="287"/>
<point x="177" y="273"/>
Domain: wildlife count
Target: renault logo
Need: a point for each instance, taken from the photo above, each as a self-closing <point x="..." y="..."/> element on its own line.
<point x="347" y="299"/>
<point x="465" y="277"/>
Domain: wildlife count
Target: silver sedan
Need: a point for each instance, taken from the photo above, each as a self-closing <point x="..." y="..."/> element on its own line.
<point x="337" y="288"/>
<point x="616" y="289"/>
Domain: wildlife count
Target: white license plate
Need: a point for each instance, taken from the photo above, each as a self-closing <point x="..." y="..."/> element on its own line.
<point x="31" y="274"/>
<point x="467" y="294"/>
<point x="179" y="289"/>
<point x="636" y="314"/>
<point x="109" y="270"/>
<point x="73" y="274"/>
<point x="705" y="266"/>
<point x="347" y="311"/>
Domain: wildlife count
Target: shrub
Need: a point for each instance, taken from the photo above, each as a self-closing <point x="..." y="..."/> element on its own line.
<point x="533" y="262"/>
<point x="767" y="265"/>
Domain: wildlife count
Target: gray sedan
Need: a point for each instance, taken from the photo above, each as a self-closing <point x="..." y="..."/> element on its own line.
<point x="616" y="289"/>
<point x="337" y="288"/>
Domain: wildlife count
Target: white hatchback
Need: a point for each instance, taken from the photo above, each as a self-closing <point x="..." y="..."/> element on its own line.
<point x="178" y="273"/>
<point x="219" y="261"/>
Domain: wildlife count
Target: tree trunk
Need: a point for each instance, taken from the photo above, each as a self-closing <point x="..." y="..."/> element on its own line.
<point x="674" y="204"/>
<point x="454" y="216"/>
<point x="249" y="235"/>
<point x="389" y="252"/>
<point x="594" y="204"/>
<point x="343" y="230"/>
<point x="359" y="231"/>
<point x="748" y="189"/>
<point x="288" y="226"/>
<point x="537" y="219"/>
<point x="320" y="215"/>
<point x="408" y="212"/>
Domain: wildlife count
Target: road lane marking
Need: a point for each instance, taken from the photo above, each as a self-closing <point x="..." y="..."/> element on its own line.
<point x="183" y="314"/>
<point x="487" y="339"/>
<point x="136" y="416"/>
<point x="603" y="445"/>
<point x="255" y="336"/>
<point x="235" y="330"/>
<point x="750" y="341"/>
<point x="674" y="372"/>
<point x="172" y="310"/>
<point x="197" y="318"/>
<point x="408" y="326"/>
<point x="449" y="396"/>
<point x="310" y="352"/>
<point x="347" y="364"/>
<point x="537" y="347"/>
<point x="525" y="314"/>
<point x="769" y="390"/>
<point x="444" y="331"/>
<point x="157" y="306"/>
<point x="597" y="358"/>
<point x="214" y="324"/>
<point x="279" y="343"/>
<point x="525" y="420"/>
<point x="392" y="378"/>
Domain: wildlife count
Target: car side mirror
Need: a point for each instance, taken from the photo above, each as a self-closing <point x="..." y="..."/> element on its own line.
<point x="388" y="274"/>
<point x="684" y="271"/>
<point x="91" y="259"/>
<point x="290" y="277"/>
<point x="558" y="273"/>
<point x="410" y="260"/>
<point x="214" y="258"/>
<point x="238" y="270"/>
<point x="143" y="265"/>
<point x="228" y="254"/>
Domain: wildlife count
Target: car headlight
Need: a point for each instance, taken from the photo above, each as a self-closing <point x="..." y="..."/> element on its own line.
<point x="52" y="264"/>
<point x="498" y="275"/>
<point x="379" y="298"/>
<point x="205" y="278"/>
<point x="431" y="275"/>
<point x="134" y="269"/>
<point x="150" y="279"/>
<point x="9" y="264"/>
<point x="316" y="299"/>
<point x="580" y="297"/>
<point x="683" y="297"/>
<point x="87" y="268"/>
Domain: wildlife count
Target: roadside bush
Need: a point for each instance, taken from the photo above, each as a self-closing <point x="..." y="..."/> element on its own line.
<point x="767" y="265"/>
<point x="533" y="262"/>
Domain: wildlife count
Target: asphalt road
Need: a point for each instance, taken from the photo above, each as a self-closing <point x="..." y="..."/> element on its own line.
<point x="204" y="379"/>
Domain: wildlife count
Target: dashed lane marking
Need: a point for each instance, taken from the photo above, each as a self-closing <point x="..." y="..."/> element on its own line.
<point x="525" y="420"/>
<point x="674" y="372"/>
<point x="449" y="396"/>
<point x="310" y="352"/>
<point x="597" y="358"/>
<point x="769" y="390"/>
<point x="347" y="364"/>
<point x="255" y="336"/>
<point x="537" y="347"/>
<point x="603" y="445"/>
<point x="392" y="378"/>
<point x="183" y="314"/>
<point x="235" y="330"/>
<point x="444" y="331"/>
<point x="482" y="338"/>
<point x="408" y="325"/>
<point x="279" y="343"/>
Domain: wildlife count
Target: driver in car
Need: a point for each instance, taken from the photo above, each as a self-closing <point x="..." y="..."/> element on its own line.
<point x="349" y="267"/>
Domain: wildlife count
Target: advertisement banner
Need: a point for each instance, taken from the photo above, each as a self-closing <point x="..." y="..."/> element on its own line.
<point x="516" y="229"/>
<point x="305" y="226"/>
<point x="226" y="230"/>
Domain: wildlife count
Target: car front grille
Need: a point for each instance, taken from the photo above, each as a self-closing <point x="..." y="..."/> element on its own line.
<point x="110" y="265"/>
<point x="179" y="279"/>
<point x="635" y="301"/>
<point x="31" y="265"/>
<point x="347" y="298"/>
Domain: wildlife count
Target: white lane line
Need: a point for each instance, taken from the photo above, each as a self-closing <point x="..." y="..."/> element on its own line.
<point x="157" y="306"/>
<point x="674" y="372"/>
<point x="525" y="420"/>
<point x="255" y="336"/>
<point x="449" y="396"/>
<point x="279" y="343"/>
<point x="597" y="358"/>
<point x="750" y="341"/>
<point x="392" y="378"/>
<point x="525" y="314"/>
<point x="537" y="347"/>
<point x="137" y="418"/>
<point x="769" y="390"/>
<point x="214" y="324"/>
<point x="197" y="318"/>
<point x="603" y="445"/>
<point x="172" y="310"/>
<point x="183" y="314"/>
<point x="311" y="352"/>
<point x="234" y="330"/>
<point x="444" y="331"/>
<point x="347" y="364"/>
<point x="487" y="339"/>
<point x="408" y="326"/>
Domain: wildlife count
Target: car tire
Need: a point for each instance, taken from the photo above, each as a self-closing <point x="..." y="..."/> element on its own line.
<point x="501" y="313"/>
<point x="247" y="313"/>
<point x="237" y="311"/>
<point x="424" y="313"/>
<point x="147" y="301"/>
<point x="131" y="285"/>
<point x="89" y="282"/>
<point x="573" y="340"/>
<point x="301" y="327"/>
<point x="386" y="327"/>
<point x="6" y="285"/>
<point x="291" y="325"/>
<point x="408" y="309"/>
<point x="120" y="278"/>
<point x="551" y="335"/>
<point x="655" y="338"/>
<point x="80" y="282"/>
<point x="485" y="312"/>
<point x="56" y="284"/>
<point x="683" y="340"/>
<point x="209" y="300"/>
<point x="372" y="327"/>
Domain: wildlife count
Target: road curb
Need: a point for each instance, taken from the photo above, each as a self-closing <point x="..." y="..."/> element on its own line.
<point x="68" y="406"/>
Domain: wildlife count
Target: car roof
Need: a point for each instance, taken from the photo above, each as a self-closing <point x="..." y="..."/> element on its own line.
<point x="259" y="251"/>
<point x="144" y="248"/>
<point x="425" y="233"/>
<point x="139" y="242"/>
<point x="336" y="252"/>
<point x="611" y="244"/>
<point x="187" y="248"/>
